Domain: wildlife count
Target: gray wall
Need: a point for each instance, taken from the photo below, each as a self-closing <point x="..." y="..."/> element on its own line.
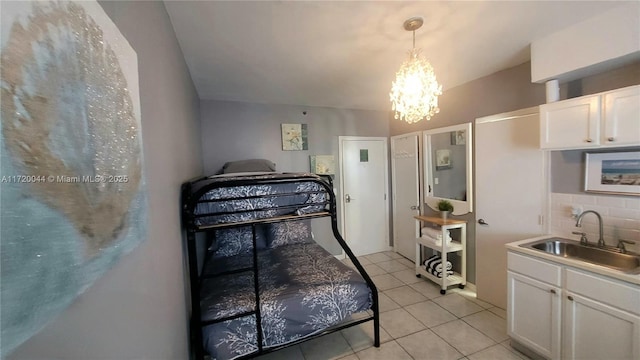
<point x="237" y="130"/>
<point x="567" y="170"/>
<point x="137" y="309"/>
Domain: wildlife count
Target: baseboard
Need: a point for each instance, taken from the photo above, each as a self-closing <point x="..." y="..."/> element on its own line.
<point x="471" y="287"/>
<point x="525" y="350"/>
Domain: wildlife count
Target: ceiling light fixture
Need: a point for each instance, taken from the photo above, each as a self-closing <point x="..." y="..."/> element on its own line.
<point x="414" y="93"/>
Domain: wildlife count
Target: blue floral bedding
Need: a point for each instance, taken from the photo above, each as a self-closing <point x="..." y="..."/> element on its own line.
<point x="303" y="290"/>
<point x="242" y="203"/>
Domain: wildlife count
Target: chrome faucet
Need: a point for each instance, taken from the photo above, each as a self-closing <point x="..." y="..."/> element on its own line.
<point x="621" y="245"/>
<point x="579" y="224"/>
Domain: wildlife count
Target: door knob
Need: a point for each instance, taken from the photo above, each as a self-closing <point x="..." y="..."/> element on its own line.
<point x="482" y="222"/>
<point x="348" y="198"/>
<point x="414" y="207"/>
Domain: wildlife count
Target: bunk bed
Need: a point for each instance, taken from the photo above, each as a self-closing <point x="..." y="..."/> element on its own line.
<point x="263" y="283"/>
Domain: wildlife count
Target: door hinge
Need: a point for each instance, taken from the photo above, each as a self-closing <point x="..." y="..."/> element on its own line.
<point x="540" y="219"/>
<point x="385" y="196"/>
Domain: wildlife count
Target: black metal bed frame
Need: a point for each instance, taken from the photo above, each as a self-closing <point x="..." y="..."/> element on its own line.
<point x="193" y="190"/>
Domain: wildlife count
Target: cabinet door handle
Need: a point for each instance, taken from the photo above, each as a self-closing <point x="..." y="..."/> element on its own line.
<point x="611" y="139"/>
<point x="414" y="207"/>
<point x="553" y="291"/>
<point x="570" y="298"/>
<point x="588" y="140"/>
<point x="482" y="222"/>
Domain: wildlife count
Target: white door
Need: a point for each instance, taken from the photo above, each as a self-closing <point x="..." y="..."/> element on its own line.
<point x="364" y="179"/>
<point x="405" y="182"/>
<point x="510" y="194"/>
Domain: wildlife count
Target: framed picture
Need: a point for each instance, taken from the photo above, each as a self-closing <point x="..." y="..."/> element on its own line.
<point x="322" y="164"/>
<point x="294" y="137"/>
<point x="458" y="137"/>
<point x="443" y="159"/>
<point x="613" y="173"/>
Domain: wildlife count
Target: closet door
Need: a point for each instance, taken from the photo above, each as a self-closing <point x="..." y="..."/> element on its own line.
<point x="510" y="194"/>
<point x="405" y="173"/>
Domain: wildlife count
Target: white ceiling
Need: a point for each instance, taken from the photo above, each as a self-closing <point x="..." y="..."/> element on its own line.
<point x="345" y="54"/>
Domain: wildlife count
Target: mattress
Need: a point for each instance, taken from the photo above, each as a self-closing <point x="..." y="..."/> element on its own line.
<point x="228" y="204"/>
<point x="303" y="290"/>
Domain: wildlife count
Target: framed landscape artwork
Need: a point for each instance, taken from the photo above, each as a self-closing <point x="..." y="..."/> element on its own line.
<point x="613" y="173"/>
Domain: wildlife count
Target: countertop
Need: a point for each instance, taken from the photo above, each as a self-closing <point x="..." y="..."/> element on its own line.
<point x="602" y="270"/>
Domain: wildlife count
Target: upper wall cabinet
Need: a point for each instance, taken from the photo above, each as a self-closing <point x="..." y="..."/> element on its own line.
<point x="606" y="119"/>
<point x="621" y="121"/>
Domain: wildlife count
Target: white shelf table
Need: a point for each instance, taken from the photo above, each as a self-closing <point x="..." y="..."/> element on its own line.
<point x="458" y="278"/>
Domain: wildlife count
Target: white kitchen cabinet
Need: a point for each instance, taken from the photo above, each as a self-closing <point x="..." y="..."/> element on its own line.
<point x="601" y="317"/>
<point x="621" y="121"/>
<point x="573" y="123"/>
<point x="534" y="304"/>
<point x="533" y="313"/>
<point x="593" y="330"/>
<point x="606" y="119"/>
<point x="561" y="312"/>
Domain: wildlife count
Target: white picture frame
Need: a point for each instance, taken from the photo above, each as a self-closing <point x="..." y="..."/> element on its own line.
<point x="613" y="173"/>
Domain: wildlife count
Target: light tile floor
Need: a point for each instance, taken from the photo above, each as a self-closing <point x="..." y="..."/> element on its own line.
<point x="416" y="322"/>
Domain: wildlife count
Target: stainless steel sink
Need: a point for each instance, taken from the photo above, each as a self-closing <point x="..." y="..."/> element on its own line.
<point x="609" y="257"/>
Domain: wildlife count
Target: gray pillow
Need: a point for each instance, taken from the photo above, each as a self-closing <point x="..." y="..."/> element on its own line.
<point x="289" y="232"/>
<point x="251" y="165"/>
<point x="236" y="241"/>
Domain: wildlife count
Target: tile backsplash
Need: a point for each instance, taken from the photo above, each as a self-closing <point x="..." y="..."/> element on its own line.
<point x="620" y="217"/>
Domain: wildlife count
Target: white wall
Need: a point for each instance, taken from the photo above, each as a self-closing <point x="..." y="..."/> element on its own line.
<point x="601" y="43"/>
<point x="137" y="310"/>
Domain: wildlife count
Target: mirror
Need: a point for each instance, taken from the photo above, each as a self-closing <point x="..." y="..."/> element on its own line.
<point x="447" y="167"/>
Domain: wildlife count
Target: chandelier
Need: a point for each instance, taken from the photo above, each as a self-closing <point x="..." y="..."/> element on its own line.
<point x="414" y="93"/>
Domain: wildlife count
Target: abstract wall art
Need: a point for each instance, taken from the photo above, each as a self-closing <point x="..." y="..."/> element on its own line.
<point x="294" y="137"/>
<point x="322" y="164"/>
<point x="72" y="191"/>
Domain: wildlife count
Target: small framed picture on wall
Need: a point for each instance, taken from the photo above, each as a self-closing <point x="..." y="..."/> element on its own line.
<point x="458" y="137"/>
<point x="294" y="137"/>
<point x="443" y="159"/>
<point x="613" y="173"/>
